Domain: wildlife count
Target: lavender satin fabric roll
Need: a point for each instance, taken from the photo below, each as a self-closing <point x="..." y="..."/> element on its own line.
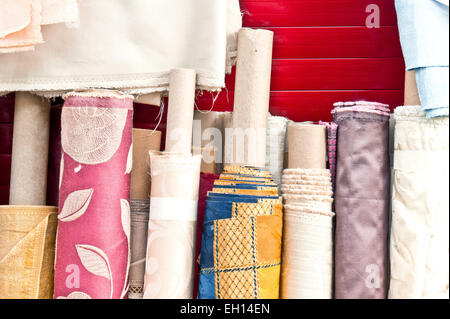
<point x="362" y="201"/>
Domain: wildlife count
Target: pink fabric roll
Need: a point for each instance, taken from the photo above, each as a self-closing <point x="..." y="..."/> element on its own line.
<point x="92" y="253"/>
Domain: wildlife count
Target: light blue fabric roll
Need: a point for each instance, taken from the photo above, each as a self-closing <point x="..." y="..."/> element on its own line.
<point x="433" y="83"/>
<point x="424" y="35"/>
<point x="424" y="32"/>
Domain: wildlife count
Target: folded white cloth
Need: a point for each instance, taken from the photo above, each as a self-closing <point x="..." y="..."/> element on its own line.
<point x="130" y="46"/>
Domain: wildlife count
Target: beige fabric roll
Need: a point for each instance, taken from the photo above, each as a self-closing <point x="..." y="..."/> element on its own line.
<point x="169" y="270"/>
<point x="251" y="99"/>
<point x="307" y="146"/>
<point x="419" y="246"/>
<point x="180" y="113"/>
<point x="30" y="150"/>
<point x="27" y="251"/>
<point x="307" y="268"/>
<point x="228" y="138"/>
<point x="143" y="142"/>
<point x="208" y="139"/>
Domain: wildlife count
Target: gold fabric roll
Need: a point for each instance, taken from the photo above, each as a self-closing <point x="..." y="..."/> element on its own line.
<point x="27" y="251"/>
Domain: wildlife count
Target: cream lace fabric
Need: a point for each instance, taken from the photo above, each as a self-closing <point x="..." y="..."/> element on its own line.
<point x="152" y="36"/>
<point x="420" y="206"/>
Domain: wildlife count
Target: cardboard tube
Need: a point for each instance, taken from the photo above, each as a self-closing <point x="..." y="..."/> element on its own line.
<point x="30" y="150"/>
<point x="143" y="142"/>
<point x="211" y="139"/>
<point x="180" y="113"/>
<point x="252" y="92"/>
<point x="307" y="146"/>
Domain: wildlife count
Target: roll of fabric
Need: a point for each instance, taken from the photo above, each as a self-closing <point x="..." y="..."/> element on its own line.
<point x="169" y="267"/>
<point x="307" y="146"/>
<point x="420" y="205"/>
<point x="27" y="251"/>
<point x="251" y="100"/>
<point x="307" y="255"/>
<point x="29" y="160"/>
<point x="153" y="39"/>
<point x="276" y="136"/>
<point x="307" y="268"/>
<point x="206" y="185"/>
<point x="54" y="156"/>
<point x="332" y="129"/>
<point x="144" y="141"/>
<point x="180" y="113"/>
<point x="92" y="250"/>
<point x="209" y="138"/>
<point x="241" y="242"/>
<point x="21" y="20"/>
<point x="362" y="200"/>
<point x="424" y="32"/>
<point x="138" y="246"/>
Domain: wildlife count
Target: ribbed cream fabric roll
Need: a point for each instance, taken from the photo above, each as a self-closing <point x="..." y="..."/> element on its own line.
<point x="307" y="146"/>
<point x="307" y="259"/>
<point x="30" y="150"/>
<point x="27" y="251"/>
<point x="276" y="135"/>
<point x="419" y="247"/>
<point x="307" y="266"/>
<point x="251" y="99"/>
<point x="180" y="113"/>
<point x="169" y="268"/>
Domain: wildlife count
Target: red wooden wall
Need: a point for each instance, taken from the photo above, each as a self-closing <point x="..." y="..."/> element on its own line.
<point x="323" y="53"/>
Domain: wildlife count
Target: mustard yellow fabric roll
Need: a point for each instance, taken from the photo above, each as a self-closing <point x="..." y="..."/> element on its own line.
<point x="27" y="251"/>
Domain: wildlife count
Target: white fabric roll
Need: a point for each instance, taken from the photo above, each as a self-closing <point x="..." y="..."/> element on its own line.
<point x="420" y="205"/>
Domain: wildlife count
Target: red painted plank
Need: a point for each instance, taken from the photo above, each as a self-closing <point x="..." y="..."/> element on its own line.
<point x="4" y="195"/>
<point x="5" y="169"/>
<point x="335" y="74"/>
<point x="6" y="131"/>
<point x="285" y="13"/>
<point x="337" y="42"/>
<point x="7" y="108"/>
<point x="307" y="105"/>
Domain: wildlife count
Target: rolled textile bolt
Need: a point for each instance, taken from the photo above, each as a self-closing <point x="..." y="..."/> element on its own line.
<point x="143" y="142"/>
<point x="180" y="113"/>
<point x="208" y="134"/>
<point x="30" y="150"/>
<point x="27" y="252"/>
<point x="307" y="146"/>
<point x="251" y="100"/>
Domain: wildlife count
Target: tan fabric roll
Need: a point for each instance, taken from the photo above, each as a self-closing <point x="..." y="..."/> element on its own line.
<point x="27" y="251"/>
<point x="251" y="99"/>
<point x="169" y="270"/>
<point x="180" y="113"/>
<point x="30" y="150"/>
<point x="143" y="142"/>
<point x="209" y="138"/>
<point x="307" y="146"/>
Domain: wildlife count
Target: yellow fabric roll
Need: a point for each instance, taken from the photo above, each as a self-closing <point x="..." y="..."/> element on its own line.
<point x="27" y="251"/>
